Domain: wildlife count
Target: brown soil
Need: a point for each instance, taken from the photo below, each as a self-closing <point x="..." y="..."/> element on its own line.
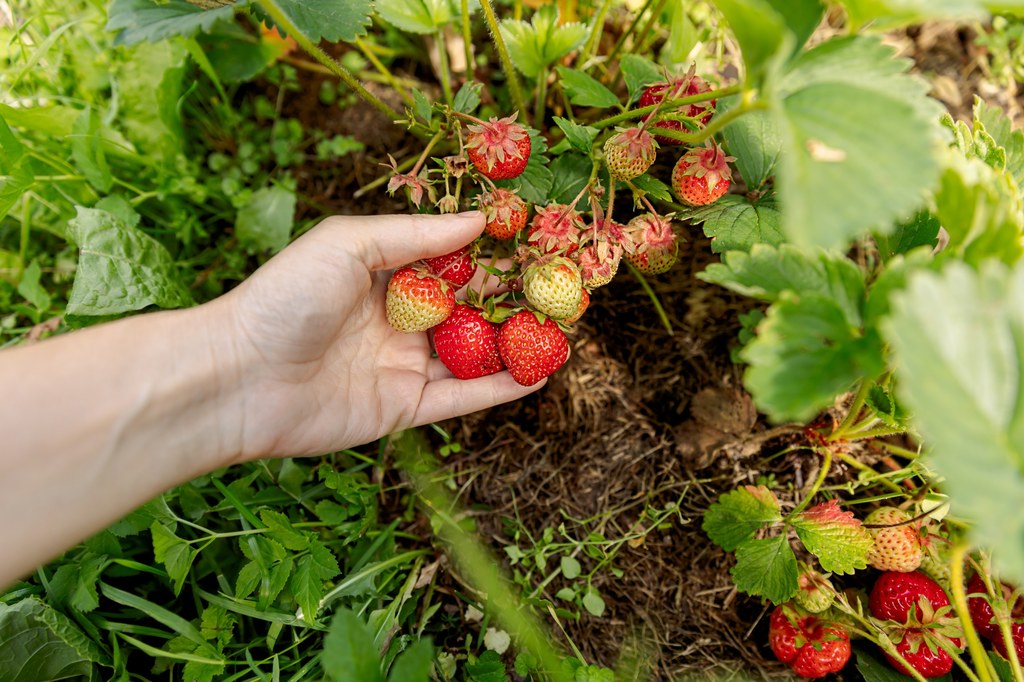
<point x="639" y="419"/>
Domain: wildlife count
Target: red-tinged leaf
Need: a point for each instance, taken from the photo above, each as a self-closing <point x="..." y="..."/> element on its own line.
<point x="835" y="536"/>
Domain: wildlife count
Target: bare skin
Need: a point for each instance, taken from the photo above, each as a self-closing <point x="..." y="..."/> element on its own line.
<point x="298" y="360"/>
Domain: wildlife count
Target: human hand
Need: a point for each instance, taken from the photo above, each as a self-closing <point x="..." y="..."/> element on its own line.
<point x="318" y="365"/>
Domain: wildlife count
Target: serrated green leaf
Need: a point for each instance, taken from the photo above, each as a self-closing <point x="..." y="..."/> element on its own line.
<point x="735" y="224"/>
<point x="807" y="353"/>
<point x="217" y="625"/>
<point x="488" y="668"/>
<point x="174" y="553"/>
<point x="834" y="142"/>
<point x="413" y="664"/>
<point x="921" y="230"/>
<point x="739" y="514"/>
<point x="893" y="13"/>
<point x="584" y="90"/>
<point x="580" y="137"/>
<point x="418" y="16"/>
<point x="266" y="221"/>
<point x="307" y="587"/>
<point x="995" y="122"/>
<point x="57" y="649"/>
<point x="958" y="341"/>
<point x="349" y="651"/>
<point x="755" y="142"/>
<point x="335" y="21"/>
<point x="467" y="99"/>
<point x="766" y="568"/>
<point x="767" y="272"/>
<point x="571" y="172"/>
<point x="281" y="529"/>
<point x="324" y="562"/>
<point x="75" y="584"/>
<point x="653" y="187"/>
<point x="639" y="72"/>
<point x="120" y="268"/>
<point x="800" y="16"/>
<point x="836" y="537"/>
<point x="760" y="31"/>
<point x="536" y="45"/>
<point x="151" y="20"/>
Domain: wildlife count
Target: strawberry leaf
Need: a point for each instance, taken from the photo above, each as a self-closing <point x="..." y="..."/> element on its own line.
<point x="755" y="141"/>
<point x="760" y="31"/>
<point x="331" y="20"/>
<point x="584" y="90"/>
<point x="349" y="650"/>
<point x="735" y="224"/>
<point x="766" y="568"/>
<point x="836" y="537"/>
<point x="994" y="121"/>
<point x="580" y="137"/>
<point x="893" y="13"/>
<point x="421" y="16"/>
<point x="958" y="341"/>
<point x="639" y="72"/>
<point x="534" y="46"/>
<point x="739" y="514"/>
<point x="152" y="20"/>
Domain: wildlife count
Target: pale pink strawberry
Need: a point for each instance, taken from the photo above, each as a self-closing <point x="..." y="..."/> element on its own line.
<point x="599" y="263"/>
<point x="629" y="153"/>
<point x="655" y="246"/>
<point x="556" y="228"/>
<point x="499" y="148"/>
<point x="553" y="286"/>
<point x="702" y="175"/>
<point x="417" y="300"/>
<point x="505" y="213"/>
<point x="897" y="540"/>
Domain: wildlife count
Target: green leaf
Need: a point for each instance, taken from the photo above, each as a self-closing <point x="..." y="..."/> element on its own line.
<point x="536" y="45"/>
<point x="174" y="553"/>
<point x="593" y="602"/>
<point x="75" y="584"/>
<point x="995" y="122"/>
<point x="737" y="516"/>
<point x="488" y="668"/>
<point x="217" y="625"/>
<point x="893" y="13"/>
<point x="682" y="35"/>
<point x="735" y="224"/>
<point x="307" y="586"/>
<point x="580" y="137"/>
<point x="13" y="150"/>
<point x="584" y="90"/>
<point x="324" y="562"/>
<point x="766" y="568"/>
<point x="120" y="268"/>
<point x="760" y="31"/>
<point x="921" y="230"/>
<point x="836" y="537"/>
<point x="418" y="16"/>
<point x="265" y="222"/>
<point x="281" y="529"/>
<point x="157" y="613"/>
<point x="349" y="654"/>
<point x="413" y="664"/>
<point x="653" y="187"/>
<point x="570" y="567"/>
<point x="768" y="272"/>
<point x="755" y="142"/>
<point x="467" y="99"/>
<point x="422" y="107"/>
<point x="835" y="141"/>
<point x="87" y="151"/>
<point x="807" y="353"/>
<point x="800" y="16"/>
<point x="52" y="120"/>
<point x="958" y="342"/>
<point x="15" y="185"/>
<point x="40" y="643"/>
<point x="639" y="72"/>
<point x="570" y="173"/>
<point x="335" y="21"/>
<point x="30" y="288"/>
<point x="150" y="20"/>
<point x="873" y="667"/>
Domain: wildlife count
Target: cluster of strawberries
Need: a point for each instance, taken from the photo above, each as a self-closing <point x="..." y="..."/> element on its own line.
<point x="559" y="256"/>
<point x="907" y="602"/>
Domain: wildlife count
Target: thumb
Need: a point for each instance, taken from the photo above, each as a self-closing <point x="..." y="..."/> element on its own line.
<point x="391" y="241"/>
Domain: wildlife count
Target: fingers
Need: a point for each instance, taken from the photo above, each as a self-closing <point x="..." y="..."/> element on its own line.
<point x="391" y="241"/>
<point x="447" y="398"/>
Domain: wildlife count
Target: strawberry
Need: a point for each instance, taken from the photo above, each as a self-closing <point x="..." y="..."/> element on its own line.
<point x="897" y="543"/>
<point x="687" y="86"/>
<point x="499" y="148"/>
<point x="467" y="343"/>
<point x="531" y="347"/>
<point x="505" y="212"/>
<point x="813" y="647"/>
<point x="456" y="268"/>
<point x="1016" y="636"/>
<point x="654" y="243"/>
<point x="599" y="263"/>
<point x="979" y="605"/>
<point x="702" y="175"/>
<point x="584" y="304"/>
<point x="629" y="153"/>
<point x="920" y="620"/>
<point x="556" y="228"/>
<point x="816" y="592"/>
<point x="417" y="300"/>
<point x="553" y="286"/>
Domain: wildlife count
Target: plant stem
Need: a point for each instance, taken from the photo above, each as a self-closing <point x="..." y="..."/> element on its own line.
<point x="853" y="411"/>
<point x="281" y="18"/>
<point x="384" y="71"/>
<point x="662" y="315"/>
<point x="445" y="67"/>
<point x="595" y="35"/>
<point x="514" y="87"/>
<point x="26" y="229"/>
<point x="426" y="152"/>
<point x="861" y="466"/>
<point x="467" y="38"/>
<point x="628" y="32"/>
<point x="826" y="465"/>
<point x="671" y="104"/>
<point x="899" y="450"/>
<point x="374" y="184"/>
<point x="542" y="96"/>
<point x="956" y="587"/>
<point x="875" y="433"/>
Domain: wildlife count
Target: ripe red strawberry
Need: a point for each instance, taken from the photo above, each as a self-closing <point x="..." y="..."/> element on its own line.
<point x="897" y="543"/>
<point x="584" y="304"/>
<point x="467" y="343"/>
<point x="629" y="153"/>
<point x="417" y="300"/>
<point x="702" y="175"/>
<point x="556" y="228"/>
<point x="456" y="268"/>
<point x="1017" y="636"/>
<point x="531" y="349"/>
<point x="687" y="86"/>
<point x="921" y="653"/>
<point x="984" y="617"/>
<point x="894" y="593"/>
<point x="505" y="212"/>
<point x="812" y="646"/>
<point x="654" y="243"/>
<point x="500" y="148"/>
<point x="553" y="286"/>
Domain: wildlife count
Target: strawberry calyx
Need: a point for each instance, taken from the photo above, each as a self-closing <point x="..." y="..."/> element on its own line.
<point x="496" y="140"/>
<point x="709" y="162"/>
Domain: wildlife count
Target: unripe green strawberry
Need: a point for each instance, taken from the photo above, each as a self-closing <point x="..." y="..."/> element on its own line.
<point x="897" y="543"/>
<point x="531" y="349"/>
<point x="816" y="592"/>
<point x="499" y="148"/>
<point x="417" y="300"/>
<point x="505" y="212"/>
<point x="702" y="175"/>
<point x="629" y="153"/>
<point x="654" y="243"/>
<point x="553" y="286"/>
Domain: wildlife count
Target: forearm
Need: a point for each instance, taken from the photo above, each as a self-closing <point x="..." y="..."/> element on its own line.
<point x="97" y="422"/>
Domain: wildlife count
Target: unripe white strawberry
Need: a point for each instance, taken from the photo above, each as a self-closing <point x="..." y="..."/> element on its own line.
<point x="897" y="543"/>
<point x="553" y="286"/>
<point x="654" y="243"/>
<point x="629" y="153"/>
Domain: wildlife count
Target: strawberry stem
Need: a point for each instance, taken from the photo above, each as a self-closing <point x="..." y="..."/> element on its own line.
<point x="672" y="104"/>
<point x="826" y="465"/>
<point x="426" y="151"/>
<point x="637" y="192"/>
<point x="514" y="87"/>
<point x="986" y="672"/>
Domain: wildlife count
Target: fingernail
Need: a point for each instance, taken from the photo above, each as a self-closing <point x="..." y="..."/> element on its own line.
<point x="471" y="215"/>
